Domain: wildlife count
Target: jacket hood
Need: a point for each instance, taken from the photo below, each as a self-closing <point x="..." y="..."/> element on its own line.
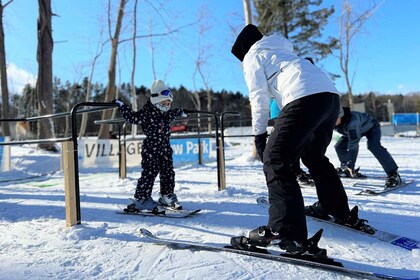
<point x="248" y="36"/>
<point x="273" y="42"/>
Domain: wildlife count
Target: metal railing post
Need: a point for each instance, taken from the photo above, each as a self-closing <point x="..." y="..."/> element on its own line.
<point x="74" y="184"/>
<point x="221" y="167"/>
<point x="123" y="153"/>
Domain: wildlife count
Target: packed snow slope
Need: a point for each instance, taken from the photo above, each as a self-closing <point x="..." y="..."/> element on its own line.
<point x="35" y="243"/>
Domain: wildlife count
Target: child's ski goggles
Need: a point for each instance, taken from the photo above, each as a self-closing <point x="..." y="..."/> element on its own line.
<point x="165" y="92"/>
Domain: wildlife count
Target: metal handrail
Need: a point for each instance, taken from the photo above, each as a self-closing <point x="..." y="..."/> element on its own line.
<point x="56" y="115"/>
<point x="37" y="141"/>
<point x="52" y="116"/>
<point x="103" y="106"/>
<point x="222" y="122"/>
<point x="73" y="114"/>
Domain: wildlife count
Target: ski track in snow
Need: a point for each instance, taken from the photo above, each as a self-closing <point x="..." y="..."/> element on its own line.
<point x="35" y="244"/>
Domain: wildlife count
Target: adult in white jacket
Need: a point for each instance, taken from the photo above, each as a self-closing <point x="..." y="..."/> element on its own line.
<point x="310" y="107"/>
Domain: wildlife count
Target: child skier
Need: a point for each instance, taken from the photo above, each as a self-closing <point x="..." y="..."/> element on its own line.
<point x="155" y="118"/>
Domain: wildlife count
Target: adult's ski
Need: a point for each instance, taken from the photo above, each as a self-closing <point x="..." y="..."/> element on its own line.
<point x="394" y="239"/>
<point x="380" y="188"/>
<point x="265" y="254"/>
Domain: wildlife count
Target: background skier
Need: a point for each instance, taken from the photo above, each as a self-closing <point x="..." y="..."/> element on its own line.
<point x="353" y="126"/>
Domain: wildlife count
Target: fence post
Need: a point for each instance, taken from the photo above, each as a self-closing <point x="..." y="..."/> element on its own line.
<point x="221" y="150"/>
<point x="200" y="147"/>
<point x="62" y="157"/>
<point x="200" y="152"/>
<point x="6" y="156"/>
<point x="123" y="160"/>
<point x="70" y="184"/>
<point x="221" y="164"/>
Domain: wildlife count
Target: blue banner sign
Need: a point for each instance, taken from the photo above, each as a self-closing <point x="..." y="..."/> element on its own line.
<point x="408" y="119"/>
<point x="94" y="153"/>
<point x="187" y="150"/>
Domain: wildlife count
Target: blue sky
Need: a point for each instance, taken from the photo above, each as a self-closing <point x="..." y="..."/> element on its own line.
<point x="385" y="56"/>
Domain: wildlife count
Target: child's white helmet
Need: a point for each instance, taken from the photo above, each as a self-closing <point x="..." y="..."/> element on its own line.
<point x="160" y="92"/>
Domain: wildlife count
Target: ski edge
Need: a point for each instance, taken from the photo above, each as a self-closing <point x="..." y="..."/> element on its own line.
<point x="394" y="239"/>
<point x="280" y="258"/>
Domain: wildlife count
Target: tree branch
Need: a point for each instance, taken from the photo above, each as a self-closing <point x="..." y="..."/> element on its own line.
<point x="160" y="34"/>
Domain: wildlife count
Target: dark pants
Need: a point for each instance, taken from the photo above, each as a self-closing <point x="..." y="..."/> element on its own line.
<point x="303" y="129"/>
<point x="374" y="146"/>
<point x="156" y="159"/>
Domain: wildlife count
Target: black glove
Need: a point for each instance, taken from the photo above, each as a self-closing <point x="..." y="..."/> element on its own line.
<point x="118" y="101"/>
<point x="187" y="111"/>
<point x="260" y="142"/>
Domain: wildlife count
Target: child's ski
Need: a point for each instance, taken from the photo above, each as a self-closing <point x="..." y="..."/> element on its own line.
<point x="167" y="213"/>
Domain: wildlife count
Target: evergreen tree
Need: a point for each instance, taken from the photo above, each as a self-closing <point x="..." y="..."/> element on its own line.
<point x="298" y="21"/>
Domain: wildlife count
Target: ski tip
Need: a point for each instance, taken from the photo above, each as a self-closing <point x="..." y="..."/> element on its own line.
<point x="367" y="192"/>
<point x="145" y="232"/>
<point x="262" y="200"/>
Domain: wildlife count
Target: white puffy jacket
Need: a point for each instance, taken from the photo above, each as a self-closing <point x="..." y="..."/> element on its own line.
<point x="272" y="69"/>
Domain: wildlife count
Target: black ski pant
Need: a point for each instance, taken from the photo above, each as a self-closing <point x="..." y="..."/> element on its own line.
<point x="303" y="129"/>
<point x="156" y="160"/>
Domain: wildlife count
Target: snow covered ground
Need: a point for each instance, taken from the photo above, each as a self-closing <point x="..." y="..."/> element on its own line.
<point x="35" y="244"/>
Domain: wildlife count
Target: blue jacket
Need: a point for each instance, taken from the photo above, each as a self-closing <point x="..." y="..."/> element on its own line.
<point x="274" y="109"/>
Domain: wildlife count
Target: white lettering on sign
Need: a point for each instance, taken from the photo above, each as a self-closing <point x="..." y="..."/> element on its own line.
<point x="94" y="152"/>
<point x="101" y="150"/>
<point x="190" y="147"/>
<point x="178" y="149"/>
<point x="205" y="147"/>
<point x="134" y="148"/>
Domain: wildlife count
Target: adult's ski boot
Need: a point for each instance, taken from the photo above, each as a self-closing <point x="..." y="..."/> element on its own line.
<point x="315" y="210"/>
<point x="353" y="221"/>
<point x="304" y="178"/>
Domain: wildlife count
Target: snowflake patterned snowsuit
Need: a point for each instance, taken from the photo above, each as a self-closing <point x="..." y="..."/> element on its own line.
<point x="156" y="151"/>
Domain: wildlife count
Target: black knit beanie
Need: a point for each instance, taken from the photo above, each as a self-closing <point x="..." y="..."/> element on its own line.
<point x="248" y="36"/>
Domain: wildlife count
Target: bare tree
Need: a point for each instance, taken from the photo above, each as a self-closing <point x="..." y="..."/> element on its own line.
<point x="133" y="70"/>
<point x="115" y="41"/>
<point x="248" y="20"/>
<point x="72" y="91"/>
<point x="110" y="92"/>
<point x="44" y="81"/>
<point x="247" y="11"/>
<point x="117" y="94"/>
<point x="99" y="50"/>
<point x="351" y="24"/>
<point x="153" y="43"/>
<point x="3" y="74"/>
<point x="201" y="61"/>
